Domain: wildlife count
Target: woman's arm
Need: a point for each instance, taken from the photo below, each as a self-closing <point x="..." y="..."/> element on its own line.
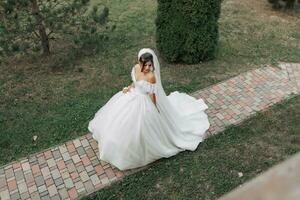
<point x="131" y="86"/>
<point x="153" y="99"/>
<point x="127" y="89"/>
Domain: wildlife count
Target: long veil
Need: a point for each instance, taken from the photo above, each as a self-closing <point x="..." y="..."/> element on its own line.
<point x="183" y="115"/>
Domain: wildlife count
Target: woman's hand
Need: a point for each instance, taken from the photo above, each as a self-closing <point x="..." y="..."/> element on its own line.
<point x="126" y="89"/>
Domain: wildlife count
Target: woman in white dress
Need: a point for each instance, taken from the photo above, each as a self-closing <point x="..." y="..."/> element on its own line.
<point x="140" y="124"/>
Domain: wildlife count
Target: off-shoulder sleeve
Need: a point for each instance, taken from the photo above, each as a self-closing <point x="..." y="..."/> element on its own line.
<point x="150" y="88"/>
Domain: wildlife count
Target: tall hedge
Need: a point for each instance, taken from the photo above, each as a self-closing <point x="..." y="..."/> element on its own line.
<point x="187" y="30"/>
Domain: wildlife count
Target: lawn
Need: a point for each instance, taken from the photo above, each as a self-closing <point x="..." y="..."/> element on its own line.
<point x="56" y="103"/>
<point x="212" y="170"/>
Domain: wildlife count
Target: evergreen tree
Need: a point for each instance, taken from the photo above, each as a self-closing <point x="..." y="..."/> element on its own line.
<point x="187" y="30"/>
<point x="32" y="24"/>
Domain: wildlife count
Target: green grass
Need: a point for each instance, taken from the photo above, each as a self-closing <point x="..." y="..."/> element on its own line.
<point x="54" y="103"/>
<point x="212" y="170"/>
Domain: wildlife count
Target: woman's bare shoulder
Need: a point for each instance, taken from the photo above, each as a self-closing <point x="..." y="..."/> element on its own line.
<point x="137" y="66"/>
<point x="151" y="77"/>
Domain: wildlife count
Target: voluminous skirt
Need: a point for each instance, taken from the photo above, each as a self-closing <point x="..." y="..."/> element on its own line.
<point x="132" y="133"/>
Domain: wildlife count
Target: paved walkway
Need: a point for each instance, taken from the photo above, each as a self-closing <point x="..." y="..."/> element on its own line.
<point x="73" y="169"/>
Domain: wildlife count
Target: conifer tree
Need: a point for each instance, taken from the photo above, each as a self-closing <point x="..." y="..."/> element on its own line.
<point x="32" y="24"/>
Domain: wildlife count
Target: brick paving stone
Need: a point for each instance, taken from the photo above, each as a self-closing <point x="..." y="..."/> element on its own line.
<point x="79" y="185"/>
<point x="26" y="166"/>
<point x="9" y="173"/>
<point x="109" y="172"/>
<point x="63" y="193"/>
<point x="58" y="181"/>
<point x="16" y="165"/>
<point x="73" y="193"/>
<point x="22" y="187"/>
<point x="74" y="175"/>
<point x="41" y="159"/>
<point x="95" y="162"/>
<point x="4" y="195"/>
<point x="65" y="174"/>
<point x="89" y="168"/>
<point x="71" y="147"/>
<point x="84" y="176"/>
<point x="68" y="162"/>
<point x="49" y="182"/>
<point x="99" y="169"/>
<point x="62" y="149"/>
<point x="32" y="189"/>
<point x="56" y="174"/>
<point x="75" y="159"/>
<point x="86" y="161"/>
<point x="35" y="169"/>
<point x="48" y="154"/>
<point x="88" y="185"/>
<point x="39" y="180"/>
<point x="46" y="172"/>
<point x="25" y="195"/>
<point x="69" y="183"/>
<point x="52" y="190"/>
<point x="105" y="180"/>
<point x="95" y="179"/>
<point x="85" y="143"/>
<point x="55" y="197"/>
<point x="29" y="178"/>
<point x="77" y="143"/>
<point x="19" y="175"/>
<point x="12" y="184"/>
<point x="56" y="154"/>
<point x="106" y="166"/>
<point x="51" y="162"/>
<point x="15" y="196"/>
<point x="45" y="197"/>
<point x="35" y="196"/>
<point x="119" y="174"/>
<point x="42" y="188"/>
<point x="61" y="164"/>
<point x="44" y="194"/>
<point x="32" y="159"/>
<point x="80" y="168"/>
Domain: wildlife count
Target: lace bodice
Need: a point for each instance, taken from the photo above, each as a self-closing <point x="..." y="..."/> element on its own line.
<point x="142" y="86"/>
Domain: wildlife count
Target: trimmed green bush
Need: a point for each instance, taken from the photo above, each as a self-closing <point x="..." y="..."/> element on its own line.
<point x="187" y="30"/>
<point x="287" y="4"/>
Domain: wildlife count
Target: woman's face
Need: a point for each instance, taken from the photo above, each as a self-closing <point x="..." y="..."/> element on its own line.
<point x="147" y="67"/>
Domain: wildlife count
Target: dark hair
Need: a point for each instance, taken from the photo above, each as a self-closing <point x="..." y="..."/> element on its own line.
<point x="146" y="57"/>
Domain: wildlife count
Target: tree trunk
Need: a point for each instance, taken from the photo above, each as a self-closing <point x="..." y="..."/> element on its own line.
<point x="42" y="30"/>
<point x="290" y="4"/>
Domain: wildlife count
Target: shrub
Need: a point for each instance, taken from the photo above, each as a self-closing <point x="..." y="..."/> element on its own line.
<point x="187" y="30"/>
<point x="287" y="4"/>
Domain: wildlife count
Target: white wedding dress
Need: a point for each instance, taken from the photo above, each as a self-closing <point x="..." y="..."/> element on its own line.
<point x="131" y="132"/>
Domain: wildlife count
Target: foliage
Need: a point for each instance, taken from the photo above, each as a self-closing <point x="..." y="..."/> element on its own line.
<point x="30" y="25"/>
<point x="287" y="4"/>
<point x="187" y="30"/>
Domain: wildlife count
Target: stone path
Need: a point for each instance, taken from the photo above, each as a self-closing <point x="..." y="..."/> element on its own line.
<point x="73" y="169"/>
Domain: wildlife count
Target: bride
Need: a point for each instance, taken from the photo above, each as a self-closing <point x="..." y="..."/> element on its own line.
<point x="142" y="124"/>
